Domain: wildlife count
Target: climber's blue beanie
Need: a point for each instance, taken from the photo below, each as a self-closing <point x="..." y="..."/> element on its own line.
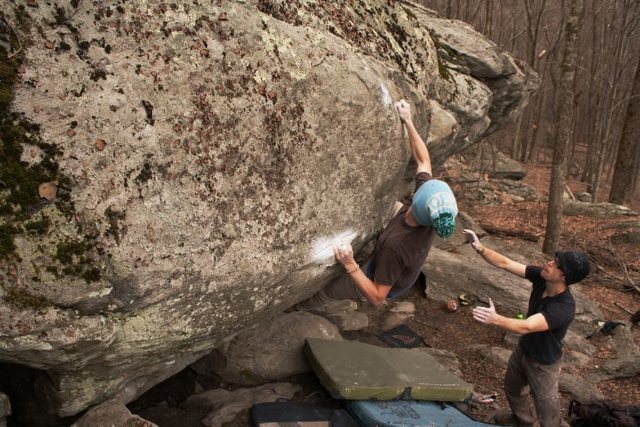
<point x="434" y="204"/>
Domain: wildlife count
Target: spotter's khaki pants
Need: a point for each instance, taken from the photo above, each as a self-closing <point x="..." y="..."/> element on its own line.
<point x="524" y="376"/>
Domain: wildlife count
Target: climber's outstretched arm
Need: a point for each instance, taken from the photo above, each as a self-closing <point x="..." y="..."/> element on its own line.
<point x="418" y="147"/>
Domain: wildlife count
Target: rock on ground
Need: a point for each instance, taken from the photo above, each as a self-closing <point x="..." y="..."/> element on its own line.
<point x="270" y="352"/>
<point x="5" y="409"/>
<point x="111" y="413"/>
<point x="224" y="405"/>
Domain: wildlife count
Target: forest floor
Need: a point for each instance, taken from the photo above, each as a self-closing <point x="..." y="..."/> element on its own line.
<point x="614" y="258"/>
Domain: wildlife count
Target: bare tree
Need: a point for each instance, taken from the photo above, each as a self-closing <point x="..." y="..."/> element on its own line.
<point x="607" y="53"/>
<point x="534" y="10"/>
<point x="616" y="52"/>
<point x="590" y="115"/>
<point x="534" y="13"/>
<point x="624" y="173"/>
<point x="571" y="30"/>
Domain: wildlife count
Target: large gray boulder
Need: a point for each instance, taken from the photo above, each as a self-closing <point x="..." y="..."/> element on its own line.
<point x="270" y="352"/>
<point x="606" y="210"/>
<point x="206" y="156"/>
<point x="626" y="364"/>
<point x="580" y="388"/>
<point x="497" y="165"/>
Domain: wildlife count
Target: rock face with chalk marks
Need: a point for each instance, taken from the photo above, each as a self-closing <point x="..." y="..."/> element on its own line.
<point x="235" y="137"/>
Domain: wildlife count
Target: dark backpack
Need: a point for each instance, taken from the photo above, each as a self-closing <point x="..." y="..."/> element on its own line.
<point x="603" y="413"/>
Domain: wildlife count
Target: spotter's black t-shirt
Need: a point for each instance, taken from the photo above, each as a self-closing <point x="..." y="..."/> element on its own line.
<point x="559" y="311"/>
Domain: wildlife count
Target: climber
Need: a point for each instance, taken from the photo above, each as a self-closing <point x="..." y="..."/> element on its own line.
<point x="404" y="244"/>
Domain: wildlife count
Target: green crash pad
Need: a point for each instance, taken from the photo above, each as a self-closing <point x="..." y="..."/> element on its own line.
<point x="353" y="370"/>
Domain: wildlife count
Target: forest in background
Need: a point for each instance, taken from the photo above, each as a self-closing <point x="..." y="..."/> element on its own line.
<point x="604" y="124"/>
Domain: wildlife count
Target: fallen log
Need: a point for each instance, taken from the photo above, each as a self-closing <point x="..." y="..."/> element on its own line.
<point x="574" y="207"/>
<point x="507" y="232"/>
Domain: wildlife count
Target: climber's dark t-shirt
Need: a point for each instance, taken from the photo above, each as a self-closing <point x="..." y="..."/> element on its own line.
<point x="559" y="311"/>
<point x="402" y="249"/>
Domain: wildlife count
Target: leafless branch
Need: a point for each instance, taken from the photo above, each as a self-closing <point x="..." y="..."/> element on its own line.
<point x="625" y="281"/>
<point x="625" y="270"/>
<point x="623" y="307"/>
<point x="17" y="38"/>
<point x="514" y="37"/>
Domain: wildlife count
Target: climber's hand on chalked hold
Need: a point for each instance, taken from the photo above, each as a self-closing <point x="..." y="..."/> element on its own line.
<point x="404" y="110"/>
<point x="343" y="253"/>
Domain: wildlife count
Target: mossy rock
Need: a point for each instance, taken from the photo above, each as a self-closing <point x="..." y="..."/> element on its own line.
<point x="19" y="181"/>
<point x="23" y="299"/>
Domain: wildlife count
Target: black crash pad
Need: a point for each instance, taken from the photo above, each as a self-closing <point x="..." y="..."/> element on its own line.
<point x="289" y="414"/>
<point x="401" y="336"/>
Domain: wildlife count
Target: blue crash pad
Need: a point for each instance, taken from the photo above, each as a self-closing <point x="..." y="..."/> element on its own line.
<point x="408" y="413"/>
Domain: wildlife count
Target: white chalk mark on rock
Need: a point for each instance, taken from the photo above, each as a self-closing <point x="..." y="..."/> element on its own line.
<point x="323" y="247"/>
<point x="386" y="98"/>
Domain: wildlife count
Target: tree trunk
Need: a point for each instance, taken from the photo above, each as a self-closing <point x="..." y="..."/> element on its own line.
<point x="625" y="20"/>
<point x="534" y="11"/>
<point x="563" y="136"/>
<point x="623" y="177"/>
<point x="593" y="96"/>
<point x="448" y="10"/>
<point x="515" y="142"/>
<point x="488" y="18"/>
<point x="636" y="168"/>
